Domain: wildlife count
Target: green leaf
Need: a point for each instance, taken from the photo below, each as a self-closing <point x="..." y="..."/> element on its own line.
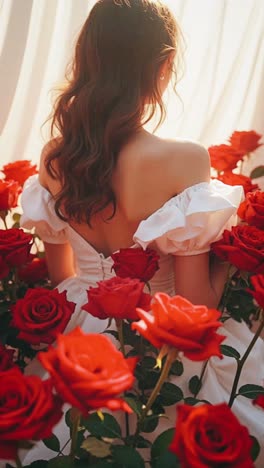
<point x="52" y="443"/>
<point x="255" y="449"/>
<point x="257" y="172"/>
<point x="161" y="443"/>
<point x="177" y="368"/>
<point x="134" y="404"/>
<point x="166" y="460"/>
<point x="191" y="401"/>
<point x="60" y="462"/>
<point x="170" y="394"/>
<point x="127" y="457"/>
<point x="251" y="391"/>
<point x="230" y="352"/>
<point x="68" y="420"/>
<point x="96" y="447"/>
<point x="108" y="427"/>
<point x="195" y="384"/>
<point x="151" y="423"/>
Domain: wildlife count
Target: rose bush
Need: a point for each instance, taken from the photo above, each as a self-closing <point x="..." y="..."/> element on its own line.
<point x="41" y="315"/>
<point x="9" y="192"/>
<point x="15" y="245"/>
<point x="211" y="436"/>
<point x="245" y="141"/>
<point x="230" y="178"/>
<point x="178" y="323"/>
<point x="28" y="410"/>
<point x="243" y="246"/>
<point x="224" y="157"/>
<point x="136" y="263"/>
<point x="89" y="372"/>
<point x="19" y="171"/>
<point x="251" y="209"/>
<point x="117" y="298"/>
<point x="34" y="271"/>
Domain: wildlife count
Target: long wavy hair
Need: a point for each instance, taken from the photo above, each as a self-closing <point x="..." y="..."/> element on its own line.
<point x="112" y="90"/>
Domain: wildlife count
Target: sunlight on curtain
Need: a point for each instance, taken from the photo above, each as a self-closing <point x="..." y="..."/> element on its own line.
<point x="221" y="89"/>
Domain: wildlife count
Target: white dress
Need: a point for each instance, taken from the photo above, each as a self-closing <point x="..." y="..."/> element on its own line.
<point x="185" y="225"/>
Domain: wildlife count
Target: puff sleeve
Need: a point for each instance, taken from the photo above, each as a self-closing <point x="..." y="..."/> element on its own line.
<point x="189" y="222"/>
<point x="39" y="213"/>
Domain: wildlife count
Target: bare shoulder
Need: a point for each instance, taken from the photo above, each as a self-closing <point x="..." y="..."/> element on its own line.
<point x="185" y="163"/>
<point x="177" y="164"/>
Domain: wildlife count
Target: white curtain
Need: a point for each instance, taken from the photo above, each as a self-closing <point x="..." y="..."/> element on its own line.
<point x="221" y="91"/>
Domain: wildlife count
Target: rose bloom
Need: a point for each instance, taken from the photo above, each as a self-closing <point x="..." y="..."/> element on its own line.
<point x="15" y="246"/>
<point x="34" y="271"/>
<point x="243" y="246"/>
<point x="9" y="192"/>
<point x="178" y="323"/>
<point x="89" y="372"/>
<point x="28" y="410"/>
<point x="210" y="436"/>
<point x="259" y="401"/>
<point x="257" y="282"/>
<point x="245" y="141"/>
<point x="224" y="157"/>
<point x="6" y="358"/>
<point x="136" y="263"/>
<point x="41" y="315"/>
<point x="251" y="209"/>
<point x="117" y="298"/>
<point x="19" y="171"/>
<point x="230" y="178"/>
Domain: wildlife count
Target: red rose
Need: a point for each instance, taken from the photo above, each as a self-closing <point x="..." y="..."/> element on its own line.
<point x="224" y="157"/>
<point x="251" y="209"/>
<point x="88" y="371"/>
<point x="245" y="142"/>
<point x="180" y="324"/>
<point x="211" y="436"/>
<point x="4" y="270"/>
<point x="9" y="191"/>
<point x="230" y="178"/>
<point x="117" y="298"/>
<point x="19" y="171"/>
<point x="34" y="271"/>
<point x="243" y="246"/>
<point x="41" y="315"/>
<point x="136" y="263"/>
<point x="258" y="292"/>
<point x="28" y="410"/>
<point x="6" y="358"/>
<point x="259" y="401"/>
<point x="15" y="246"/>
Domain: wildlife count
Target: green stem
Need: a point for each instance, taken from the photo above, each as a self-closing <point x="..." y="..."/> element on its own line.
<point x="74" y="435"/>
<point x="119" y="326"/>
<point x="18" y="462"/>
<point x="241" y="362"/>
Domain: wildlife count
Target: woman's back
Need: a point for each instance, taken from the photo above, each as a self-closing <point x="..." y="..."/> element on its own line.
<point x="148" y="173"/>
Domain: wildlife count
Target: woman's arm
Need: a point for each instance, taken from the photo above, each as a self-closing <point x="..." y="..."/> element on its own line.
<point x="60" y="262"/>
<point x="199" y="280"/>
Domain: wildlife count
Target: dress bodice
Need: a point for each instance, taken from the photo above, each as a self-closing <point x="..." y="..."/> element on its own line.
<point x="185" y="225"/>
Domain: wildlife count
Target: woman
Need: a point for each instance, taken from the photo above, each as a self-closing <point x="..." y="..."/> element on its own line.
<point x="87" y="201"/>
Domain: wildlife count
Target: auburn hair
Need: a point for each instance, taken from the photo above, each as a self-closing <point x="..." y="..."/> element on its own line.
<point x="111" y="91"/>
